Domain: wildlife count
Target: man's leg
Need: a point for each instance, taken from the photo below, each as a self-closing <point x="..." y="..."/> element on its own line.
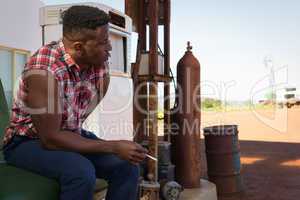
<point x="121" y="175"/>
<point x="75" y="173"/>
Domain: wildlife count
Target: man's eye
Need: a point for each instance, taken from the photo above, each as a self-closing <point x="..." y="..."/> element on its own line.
<point x="103" y="42"/>
<point x="107" y="41"/>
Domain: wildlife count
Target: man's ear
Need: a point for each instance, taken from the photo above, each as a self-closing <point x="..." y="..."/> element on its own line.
<point x="78" y="48"/>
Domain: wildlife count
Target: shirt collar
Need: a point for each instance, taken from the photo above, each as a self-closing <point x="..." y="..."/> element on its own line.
<point x="66" y="56"/>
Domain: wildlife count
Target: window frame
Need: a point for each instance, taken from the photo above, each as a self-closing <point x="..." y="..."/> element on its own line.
<point x="14" y="52"/>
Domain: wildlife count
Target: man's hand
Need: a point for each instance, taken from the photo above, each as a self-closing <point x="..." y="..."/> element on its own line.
<point x="130" y="151"/>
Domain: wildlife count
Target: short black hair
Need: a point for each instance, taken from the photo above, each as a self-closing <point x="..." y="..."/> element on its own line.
<point x="79" y="18"/>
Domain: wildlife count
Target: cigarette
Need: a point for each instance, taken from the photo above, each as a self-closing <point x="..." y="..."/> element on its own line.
<point x="151" y="157"/>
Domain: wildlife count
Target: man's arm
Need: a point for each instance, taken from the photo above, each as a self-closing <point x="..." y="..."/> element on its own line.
<point x="43" y="92"/>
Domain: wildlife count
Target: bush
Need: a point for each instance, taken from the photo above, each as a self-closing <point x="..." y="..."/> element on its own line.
<point x="209" y="103"/>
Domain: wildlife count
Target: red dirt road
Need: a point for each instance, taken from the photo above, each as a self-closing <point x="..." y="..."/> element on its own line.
<point x="271" y="170"/>
<point x="270" y="151"/>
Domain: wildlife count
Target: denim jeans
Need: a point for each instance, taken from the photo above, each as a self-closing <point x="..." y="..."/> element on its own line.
<point x="76" y="173"/>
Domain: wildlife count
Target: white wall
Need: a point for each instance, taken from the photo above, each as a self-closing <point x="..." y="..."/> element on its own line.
<point x="19" y="24"/>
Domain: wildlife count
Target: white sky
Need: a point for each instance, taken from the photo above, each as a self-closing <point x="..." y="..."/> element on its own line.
<point x="231" y="38"/>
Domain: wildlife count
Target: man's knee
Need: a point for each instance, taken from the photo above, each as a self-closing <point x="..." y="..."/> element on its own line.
<point x="88" y="176"/>
<point x="129" y="171"/>
<point x="135" y="171"/>
<point x="83" y="173"/>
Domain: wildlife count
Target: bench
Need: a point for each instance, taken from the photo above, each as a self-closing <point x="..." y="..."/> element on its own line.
<point x="20" y="184"/>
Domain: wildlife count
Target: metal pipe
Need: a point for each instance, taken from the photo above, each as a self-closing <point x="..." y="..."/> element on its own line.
<point x="136" y="10"/>
<point x="153" y="28"/>
<point x="167" y="119"/>
<point x="153" y="132"/>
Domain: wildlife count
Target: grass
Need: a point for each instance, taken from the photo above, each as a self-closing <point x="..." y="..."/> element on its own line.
<point x="229" y="108"/>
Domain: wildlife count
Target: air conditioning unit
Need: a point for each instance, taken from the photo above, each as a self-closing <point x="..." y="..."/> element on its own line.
<point x="120" y="28"/>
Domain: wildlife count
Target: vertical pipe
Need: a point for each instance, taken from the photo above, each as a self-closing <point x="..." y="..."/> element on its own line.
<point x="153" y="101"/>
<point x="167" y="120"/>
<point x="153" y="131"/>
<point x="131" y="9"/>
<point x="136" y="10"/>
<point x="153" y="21"/>
<point x="142" y="25"/>
<point x="143" y="91"/>
<point x="141" y="109"/>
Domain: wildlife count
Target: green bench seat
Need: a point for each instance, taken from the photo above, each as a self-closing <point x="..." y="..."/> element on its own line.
<point x="20" y="184"/>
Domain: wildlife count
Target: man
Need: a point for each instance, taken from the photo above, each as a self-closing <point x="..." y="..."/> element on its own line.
<point x="60" y="85"/>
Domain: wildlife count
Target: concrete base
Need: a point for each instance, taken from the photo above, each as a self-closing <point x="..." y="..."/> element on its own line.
<point x="207" y="191"/>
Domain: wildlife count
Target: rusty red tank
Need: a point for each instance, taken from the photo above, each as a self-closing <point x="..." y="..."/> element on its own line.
<point x="186" y="114"/>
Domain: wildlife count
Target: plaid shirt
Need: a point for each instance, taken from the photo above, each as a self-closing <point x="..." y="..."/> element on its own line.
<point x="76" y="91"/>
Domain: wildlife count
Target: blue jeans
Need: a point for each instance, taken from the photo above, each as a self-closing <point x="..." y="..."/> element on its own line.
<point x="75" y="172"/>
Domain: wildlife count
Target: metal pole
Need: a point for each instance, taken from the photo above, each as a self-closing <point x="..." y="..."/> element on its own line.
<point x="153" y="100"/>
<point x="167" y="119"/>
<point x="136" y="10"/>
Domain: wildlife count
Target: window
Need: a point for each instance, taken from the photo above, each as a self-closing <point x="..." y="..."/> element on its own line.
<point x="12" y="62"/>
<point x="118" y="58"/>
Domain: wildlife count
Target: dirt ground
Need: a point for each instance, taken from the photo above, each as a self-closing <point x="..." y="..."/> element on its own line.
<point x="270" y="151"/>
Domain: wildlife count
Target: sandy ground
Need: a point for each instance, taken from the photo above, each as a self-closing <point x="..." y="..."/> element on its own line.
<point x="270" y="151"/>
<point x="277" y="125"/>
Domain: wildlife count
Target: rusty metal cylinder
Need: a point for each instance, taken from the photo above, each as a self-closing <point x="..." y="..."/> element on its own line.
<point x="223" y="160"/>
<point x="186" y="116"/>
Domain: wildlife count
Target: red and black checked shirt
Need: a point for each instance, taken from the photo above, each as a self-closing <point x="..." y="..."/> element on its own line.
<point x="76" y="90"/>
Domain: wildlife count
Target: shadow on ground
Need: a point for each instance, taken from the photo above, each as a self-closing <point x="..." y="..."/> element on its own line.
<point x="270" y="170"/>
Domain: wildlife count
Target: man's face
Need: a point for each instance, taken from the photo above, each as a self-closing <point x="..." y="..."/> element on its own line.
<point x="96" y="50"/>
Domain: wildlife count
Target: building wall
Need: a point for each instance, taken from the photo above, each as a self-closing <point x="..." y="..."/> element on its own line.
<point x="19" y="24"/>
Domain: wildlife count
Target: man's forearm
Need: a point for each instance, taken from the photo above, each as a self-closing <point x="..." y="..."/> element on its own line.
<point x="69" y="141"/>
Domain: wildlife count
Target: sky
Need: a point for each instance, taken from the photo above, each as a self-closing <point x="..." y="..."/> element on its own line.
<point x="231" y="39"/>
